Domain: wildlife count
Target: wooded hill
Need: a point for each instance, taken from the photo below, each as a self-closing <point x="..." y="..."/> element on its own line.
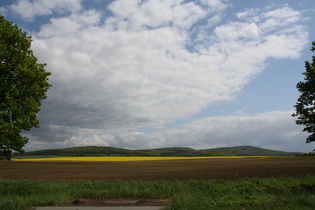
<point x="172" y="151"/>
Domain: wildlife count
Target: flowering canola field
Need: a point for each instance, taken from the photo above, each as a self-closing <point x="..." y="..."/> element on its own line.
<point x="130" y="158"/>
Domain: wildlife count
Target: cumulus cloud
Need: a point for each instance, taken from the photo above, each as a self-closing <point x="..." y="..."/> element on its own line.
<point x="155" y="13"/>
<point x="273" y="130"/>
<point x="151" y="63"/>
<point x="28" y="9"/>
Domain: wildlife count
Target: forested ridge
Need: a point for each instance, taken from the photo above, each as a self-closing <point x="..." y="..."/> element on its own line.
<point x="171" y="151"/>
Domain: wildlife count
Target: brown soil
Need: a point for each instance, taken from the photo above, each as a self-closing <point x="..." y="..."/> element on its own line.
<point x="159" y="170"/>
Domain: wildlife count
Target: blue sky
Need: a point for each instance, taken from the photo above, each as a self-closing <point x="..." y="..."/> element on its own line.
<point x="157" y="73"/>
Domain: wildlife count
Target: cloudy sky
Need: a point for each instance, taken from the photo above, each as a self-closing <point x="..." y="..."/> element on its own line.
<point x="159" y="73"/>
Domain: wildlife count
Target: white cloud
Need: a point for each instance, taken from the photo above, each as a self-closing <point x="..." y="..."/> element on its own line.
<point x="155" y="13"/>
<point x="143" y="68"/>
<point x="215" y="5"/>
<point x="28" y="9"/>
<point x="273" y="130"/>
<point x="69" y="26"/>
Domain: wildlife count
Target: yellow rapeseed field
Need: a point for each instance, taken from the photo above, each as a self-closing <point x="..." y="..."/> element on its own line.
<point x="129" y="158"/>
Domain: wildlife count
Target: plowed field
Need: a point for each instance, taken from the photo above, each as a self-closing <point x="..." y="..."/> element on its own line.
<point x="159" y="170"/>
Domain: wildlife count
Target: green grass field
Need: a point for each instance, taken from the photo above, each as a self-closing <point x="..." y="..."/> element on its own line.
<point x="271" y="193"/>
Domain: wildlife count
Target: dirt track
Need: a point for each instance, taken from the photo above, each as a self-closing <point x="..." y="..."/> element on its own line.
<point x="159" y="170"/>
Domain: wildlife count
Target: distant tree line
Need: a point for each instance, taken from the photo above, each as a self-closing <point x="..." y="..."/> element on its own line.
<point x="162" y="152"/>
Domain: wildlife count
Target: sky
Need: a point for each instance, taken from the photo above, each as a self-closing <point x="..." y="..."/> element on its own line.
<point x="143" y="74"/>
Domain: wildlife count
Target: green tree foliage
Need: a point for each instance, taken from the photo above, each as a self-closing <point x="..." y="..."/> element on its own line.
<point x="305" y="105"/>
<point x="171" y="151"/>
<point x="23" y="85"/>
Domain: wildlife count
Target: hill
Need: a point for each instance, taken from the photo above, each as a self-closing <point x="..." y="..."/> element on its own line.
<point x="171" y="151"/>
<point x="245" y="151"/>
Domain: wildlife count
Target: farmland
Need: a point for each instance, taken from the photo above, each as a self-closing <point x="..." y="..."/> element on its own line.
<point x="196" y="169"/>
<point x="129" y="158"/>
<point x="211" y="183"/>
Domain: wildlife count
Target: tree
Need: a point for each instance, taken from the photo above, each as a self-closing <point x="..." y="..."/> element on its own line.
<point x="305" y="105"/>
<point x="23" y="85"/>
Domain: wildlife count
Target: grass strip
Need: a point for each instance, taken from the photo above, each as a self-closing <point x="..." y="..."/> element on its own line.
<point x="271" y="193"/>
